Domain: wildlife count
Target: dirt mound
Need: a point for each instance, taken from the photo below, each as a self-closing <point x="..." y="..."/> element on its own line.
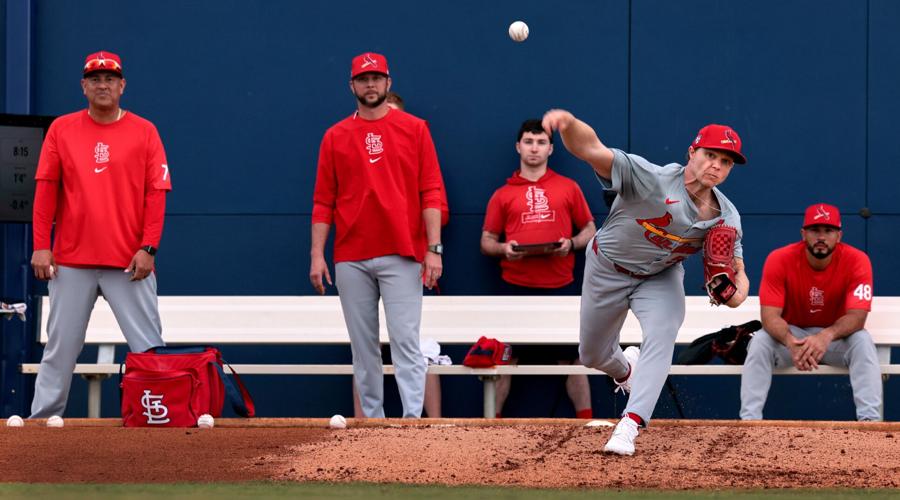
<point x="558" y="453"/>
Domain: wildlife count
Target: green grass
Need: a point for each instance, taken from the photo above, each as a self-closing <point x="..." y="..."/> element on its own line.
<point x="362" y="491"/>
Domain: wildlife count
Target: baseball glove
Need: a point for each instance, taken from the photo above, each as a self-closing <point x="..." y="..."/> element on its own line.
<point x="718" y="268"/>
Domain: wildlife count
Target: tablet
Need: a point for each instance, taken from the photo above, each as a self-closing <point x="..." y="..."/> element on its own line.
<point x="538" y="248"/>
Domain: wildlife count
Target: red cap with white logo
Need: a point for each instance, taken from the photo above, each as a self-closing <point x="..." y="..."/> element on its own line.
<point x="722" y="138"/>
<point x="822" y="214"/>
<point x="369" y="62"/>
<point x="103" y="61"/>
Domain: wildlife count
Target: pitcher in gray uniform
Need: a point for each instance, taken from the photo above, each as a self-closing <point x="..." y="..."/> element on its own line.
<point x="659" y="218"/>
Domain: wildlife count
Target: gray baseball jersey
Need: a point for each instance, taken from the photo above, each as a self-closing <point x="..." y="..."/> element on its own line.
<point x="653" y="222"/>
<point x="651" y="228"/>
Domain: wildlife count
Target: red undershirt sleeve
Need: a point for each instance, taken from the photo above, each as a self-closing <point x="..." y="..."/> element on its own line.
<point x="154" y="213"/>
<point x="46" y="193"/>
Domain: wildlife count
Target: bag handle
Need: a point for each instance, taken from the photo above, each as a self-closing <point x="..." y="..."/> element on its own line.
<point x="238" y="395"/>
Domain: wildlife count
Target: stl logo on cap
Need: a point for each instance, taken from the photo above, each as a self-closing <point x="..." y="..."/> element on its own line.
<point x="728" y="139"/>
<point x="822" y="214"/>
<point x="720" y="137"/>
<point x="369" y="62"/>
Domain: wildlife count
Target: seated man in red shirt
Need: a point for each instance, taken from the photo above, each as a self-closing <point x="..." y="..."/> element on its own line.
<point x="541" y="208"/>
<point x="815" y="295"/>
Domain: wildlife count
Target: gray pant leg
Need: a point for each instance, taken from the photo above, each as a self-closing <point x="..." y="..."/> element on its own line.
<point x="400" y="280"/>
<point x="658" y="304"/>
<point x="764" y="353"/>
<point x="72" y="295"/>
<point x="135" y="306"/>
<point x="358" y="291"/>
<point x="857" y="352"/>
<point x="604" y="306"/>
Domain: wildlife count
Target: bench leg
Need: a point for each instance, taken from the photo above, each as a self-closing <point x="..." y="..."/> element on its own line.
<point x="106" y="353"/>
<point x="490" y="395"/>
<point x="94" y="391"/>
<point x="884" y="358"/>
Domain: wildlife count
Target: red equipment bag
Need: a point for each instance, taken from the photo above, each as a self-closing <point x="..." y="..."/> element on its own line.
<point x="174" y="386"/>
<point x="487" y="353"/>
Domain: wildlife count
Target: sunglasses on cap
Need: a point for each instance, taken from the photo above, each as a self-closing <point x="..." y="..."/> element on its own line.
<point x="102" y="65"/>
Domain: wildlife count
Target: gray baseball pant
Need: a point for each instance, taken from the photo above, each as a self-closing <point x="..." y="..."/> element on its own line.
<point x="856" y="352"/>
<point x="398" y="281"/>
<point x="658" y="304"/>
<point x="73" y="293"/>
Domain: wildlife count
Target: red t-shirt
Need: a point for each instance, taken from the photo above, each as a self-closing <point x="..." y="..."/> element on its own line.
<point x="816" y="298"/>
<point x="374" y="179"/>
<point x="106" y="173"/>
<point x="538" y="212"/>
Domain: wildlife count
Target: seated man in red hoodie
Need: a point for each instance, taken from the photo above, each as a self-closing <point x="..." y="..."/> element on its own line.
<point x="542" y="217"/>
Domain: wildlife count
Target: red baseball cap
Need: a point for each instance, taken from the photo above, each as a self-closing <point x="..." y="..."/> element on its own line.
<point x="103" y="61"/>
<point x="369" y="62"/>
<point x="822" y="214"/>
<point x="722" y="138"/>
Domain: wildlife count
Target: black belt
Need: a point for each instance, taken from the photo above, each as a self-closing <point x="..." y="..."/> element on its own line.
<point x="629" y="273"/>
<point x="621" y="269"/>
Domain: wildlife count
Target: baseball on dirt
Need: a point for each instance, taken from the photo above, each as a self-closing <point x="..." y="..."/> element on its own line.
<point x="55" y="421"/>
<point x="338" y="422"/>
<point x="518" y="31"/>
<point x="206" y="421"/>
<point x="15" y="421"/>
<point x="599" y="423"/>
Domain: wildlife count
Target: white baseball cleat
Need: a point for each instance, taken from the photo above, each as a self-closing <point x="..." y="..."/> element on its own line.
<point x="632" y="354"/>
<point x="622" y="440"/>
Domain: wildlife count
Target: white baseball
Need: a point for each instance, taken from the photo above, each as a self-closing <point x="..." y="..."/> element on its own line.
<point x="206" y="421"/>
<point x="518" y="31"/>
<point x="338" y="422"/>
<point x="15" y="421"/>
<point x="55" y="421"/>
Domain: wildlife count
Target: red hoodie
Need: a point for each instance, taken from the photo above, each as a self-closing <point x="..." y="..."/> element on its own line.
<point x="541" y="211"/>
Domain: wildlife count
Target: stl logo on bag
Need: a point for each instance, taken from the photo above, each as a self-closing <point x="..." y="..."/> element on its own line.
<point x="156" y="412"/>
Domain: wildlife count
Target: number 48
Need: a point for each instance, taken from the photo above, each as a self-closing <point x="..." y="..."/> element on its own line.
<point x="863" y="292"/>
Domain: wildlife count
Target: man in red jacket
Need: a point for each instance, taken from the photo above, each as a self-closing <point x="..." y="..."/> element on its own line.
<point x="379" y="183"/>
<point x="544" y="218"/>
<point x="102" y="178"/>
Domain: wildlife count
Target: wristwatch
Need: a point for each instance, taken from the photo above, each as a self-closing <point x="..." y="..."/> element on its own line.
<point x="149" y="249"/>
<point x="438" y="249"/>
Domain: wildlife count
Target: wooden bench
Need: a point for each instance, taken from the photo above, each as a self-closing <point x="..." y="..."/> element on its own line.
<point x="217" y="320"/>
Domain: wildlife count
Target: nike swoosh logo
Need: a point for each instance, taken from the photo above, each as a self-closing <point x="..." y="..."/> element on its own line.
<point x="813" y="311"/>
<point x="98" y="170"/>
<point x="670" y="202"/>
<point x="374" y="160"/>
